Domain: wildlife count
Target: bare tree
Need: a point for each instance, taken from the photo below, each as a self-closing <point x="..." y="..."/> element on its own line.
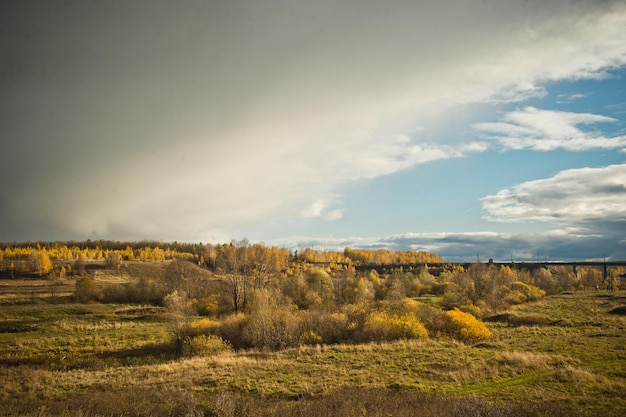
<point x="113" y="260"/>
<point x="180" y="312"/>
<point x="183" y="275"/>
<point x="232" y="260"/>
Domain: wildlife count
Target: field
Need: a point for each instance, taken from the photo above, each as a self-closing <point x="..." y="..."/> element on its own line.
<point x="562" y="355"/>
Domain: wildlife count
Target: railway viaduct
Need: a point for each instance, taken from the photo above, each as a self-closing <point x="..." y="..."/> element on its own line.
<point x="436" y="267"/>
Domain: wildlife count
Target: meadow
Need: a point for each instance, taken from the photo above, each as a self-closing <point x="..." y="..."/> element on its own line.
<point x="111" y="359"/>
<point x="562" y="354"/>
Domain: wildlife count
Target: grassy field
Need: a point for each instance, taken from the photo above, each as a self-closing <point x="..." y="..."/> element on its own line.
<point x="562" y="355"/>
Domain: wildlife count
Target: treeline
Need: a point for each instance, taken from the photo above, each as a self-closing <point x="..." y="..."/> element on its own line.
<point x="98" y="249"/>
<point x="19" y="257"/>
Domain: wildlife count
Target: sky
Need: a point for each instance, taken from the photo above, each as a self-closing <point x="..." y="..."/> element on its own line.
<point x="469" y="128"/>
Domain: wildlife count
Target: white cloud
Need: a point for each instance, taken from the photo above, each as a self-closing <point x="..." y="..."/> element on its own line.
<point x="314" y="210"/>
<point x="546" y="130"/>
<point x="321" y="209"/>
<point x="517" y="93"/>
<point x="334" y="215"/>
<point x="571" y="197"/>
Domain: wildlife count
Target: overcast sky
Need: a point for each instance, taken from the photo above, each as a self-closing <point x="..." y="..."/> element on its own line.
<point x="462" y="127"/>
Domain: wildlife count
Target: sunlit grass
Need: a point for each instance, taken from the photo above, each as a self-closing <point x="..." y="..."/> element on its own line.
<point x="51" y="353"/>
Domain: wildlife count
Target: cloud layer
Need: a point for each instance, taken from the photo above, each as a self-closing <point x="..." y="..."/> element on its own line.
<point x="185" y="122"/>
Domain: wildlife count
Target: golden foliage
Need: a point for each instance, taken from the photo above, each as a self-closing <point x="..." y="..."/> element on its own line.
<point x="384" y="326"/>
<point x="465" y="327"/>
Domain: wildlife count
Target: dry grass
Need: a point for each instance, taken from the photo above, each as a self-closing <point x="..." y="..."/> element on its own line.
<point x="116" y="360"/>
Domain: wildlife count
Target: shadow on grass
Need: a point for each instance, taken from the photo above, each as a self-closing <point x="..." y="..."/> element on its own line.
<point x="348" y="402"/>
<point x="148" y="354"/>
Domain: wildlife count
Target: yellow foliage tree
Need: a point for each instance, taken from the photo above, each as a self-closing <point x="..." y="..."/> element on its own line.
<point x="40" y="262"/>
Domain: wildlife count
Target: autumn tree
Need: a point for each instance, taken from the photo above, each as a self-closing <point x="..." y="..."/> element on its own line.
<point x="591" y="278"/>
<point x="321" y="288"/>
<point x="40" y="262"/>
<point x="365" y="292"/>
<point x="80" y="265"/>
<point x="265" y="265"/>
<point x="210" y="256"/>
<point x="113" y="260"/>
<point x="295" y="287"/>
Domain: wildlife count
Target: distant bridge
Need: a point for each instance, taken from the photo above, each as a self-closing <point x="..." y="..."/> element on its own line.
<point x="437" y="267"/>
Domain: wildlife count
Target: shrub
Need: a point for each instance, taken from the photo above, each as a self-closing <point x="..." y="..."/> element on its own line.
<point x="202" y="327"/>
<point x="403" y="306"/>
<point x="273" y="323"/>
<point x="142" y="290"/>
<point x="310" y="338"/>
<point x="515" y="297"/>
<point x="86" y="290"/>
<point x="383" y="326"/>
<point x="207" y="306"/>
<point x="531" y="292"/>
<point x="465" y="327"/>
<point x="230" y="328"/>
<point x="471" y="309"/>
<point x="330" y="327"/>
<point x="433" y="319"/>
<point x="205" y="345"/>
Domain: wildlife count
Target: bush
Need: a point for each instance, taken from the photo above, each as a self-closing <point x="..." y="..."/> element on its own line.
<point x="86" y="290"/>
<point x="273" y="323"/>
<point x="433" y="319"/>
<point x="383" y="326"/>
<point x="205" y="345"/>
<point x="231" y="328"/>
<point x="202" y="327"/>
<point x="471" y="309"/>
<point x="465" y="327"/>
<point x="515" y="297"/>
<point x="310" y="338"/>
<point x="521" y="292"/>
<point x="330" y="327"/>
